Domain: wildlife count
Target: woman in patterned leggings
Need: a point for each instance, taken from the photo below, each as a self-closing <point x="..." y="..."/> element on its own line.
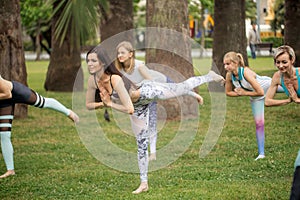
<point x="136" y="71"/>
<point x="12" y="92"/>
<point x="121" y="94"/>
<point x="242" y="81"/>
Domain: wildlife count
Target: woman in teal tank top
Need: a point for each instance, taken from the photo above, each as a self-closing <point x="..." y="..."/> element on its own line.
<point x="242" y="81"/>
<point x="287" y="76"/>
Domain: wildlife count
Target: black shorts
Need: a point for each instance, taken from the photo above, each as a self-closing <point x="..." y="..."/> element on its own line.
<point x="20" y="94"/>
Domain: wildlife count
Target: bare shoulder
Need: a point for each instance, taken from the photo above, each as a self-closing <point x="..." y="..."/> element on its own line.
<point x="228" y="76"/>
<point x="115" y="79"/>
<point x="276" y="77"/>
<point x="91" y="82"/>
<point x="248" y="71"/>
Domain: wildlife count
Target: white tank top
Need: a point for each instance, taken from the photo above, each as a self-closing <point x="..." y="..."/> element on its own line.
<point x="264" y="82"/>
<point x="137" y="78"/>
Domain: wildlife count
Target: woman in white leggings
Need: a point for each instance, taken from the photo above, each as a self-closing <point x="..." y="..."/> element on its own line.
<point x="136" y="71"/>
<point x="119" y="93"/>
<point x="12" y="92"/>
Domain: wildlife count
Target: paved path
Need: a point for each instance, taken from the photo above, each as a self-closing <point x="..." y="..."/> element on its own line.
<point x="195" y="54"/>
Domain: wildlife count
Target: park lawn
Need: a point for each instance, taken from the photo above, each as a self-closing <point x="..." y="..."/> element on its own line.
<point x="52" y="162"/>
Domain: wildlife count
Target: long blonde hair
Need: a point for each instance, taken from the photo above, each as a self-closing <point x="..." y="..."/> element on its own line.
<point x="235" y="57"/>
<point x="128" y="46"/>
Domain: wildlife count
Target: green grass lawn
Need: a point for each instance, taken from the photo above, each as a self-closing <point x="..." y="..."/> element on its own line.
<point x="52" y="161"/>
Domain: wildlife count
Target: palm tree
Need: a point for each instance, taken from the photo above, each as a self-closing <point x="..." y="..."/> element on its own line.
<point x="72" y="22"/>
<point x="12" y="62"/>
<point x="171" y="47"/>
<point x="229" y="31"/>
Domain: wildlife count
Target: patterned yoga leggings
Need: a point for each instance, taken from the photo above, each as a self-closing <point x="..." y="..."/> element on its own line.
<point x="151" y="91"/>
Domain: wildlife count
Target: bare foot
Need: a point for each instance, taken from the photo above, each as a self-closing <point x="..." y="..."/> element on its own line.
<point x="135" y="95"/>
<point x="216" y="77"/>
<point x="199" y="99"/>
<point x="8" y="173"/>
<point x="74" y="117"/>
<point x="152" y="156"/>
<point x="142" y="188"/>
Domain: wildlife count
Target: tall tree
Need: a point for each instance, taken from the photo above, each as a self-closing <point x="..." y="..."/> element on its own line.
<point x="170" y="50"/>
<point x="12" y="59"/>
<point x="116" y="19"/>
<point x="65" y="60"/>
<point x="69" y="30"/>
<point x="116" y="24"/>
<point x="292" y="27"/>
<point x="229" y="31"/>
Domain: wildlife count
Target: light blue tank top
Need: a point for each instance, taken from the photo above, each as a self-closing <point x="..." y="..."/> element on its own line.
<point x="264" y="82"/>
<point x="284" y="87"/>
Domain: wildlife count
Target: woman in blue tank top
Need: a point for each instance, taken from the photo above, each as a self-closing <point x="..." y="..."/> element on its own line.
<point x="242" y="81"/>
<point x="288" y="77"/>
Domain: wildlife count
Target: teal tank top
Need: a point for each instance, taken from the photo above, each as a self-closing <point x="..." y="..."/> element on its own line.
<point x="284" y="87"/>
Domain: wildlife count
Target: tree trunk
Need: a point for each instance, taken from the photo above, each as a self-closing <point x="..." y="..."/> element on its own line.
<point x="169" y="50"/>
<point x="12" y="59"/>
<point x="64" y="70"/>
<point x="292" y="27"/>
<point x="229" y="31"/>
<point x="117" y="19"/>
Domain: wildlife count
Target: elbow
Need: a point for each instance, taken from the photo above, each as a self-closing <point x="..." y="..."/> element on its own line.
<point x="267" y="103"/>
<point x="131" y="110"/>
<point x="89" y="107"/>
<point x="261" y="93"/>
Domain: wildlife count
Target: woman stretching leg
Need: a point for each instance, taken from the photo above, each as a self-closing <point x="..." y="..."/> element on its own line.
<point x="10" y="94"/>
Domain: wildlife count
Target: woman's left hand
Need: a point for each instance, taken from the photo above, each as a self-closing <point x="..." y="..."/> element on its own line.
<point x="293" y="94"/>
<point x="105" y="97"/>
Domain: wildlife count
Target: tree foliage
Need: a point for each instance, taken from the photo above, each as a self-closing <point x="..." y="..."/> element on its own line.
<point x="82" y="17"/>
<point x="35" y="13"/>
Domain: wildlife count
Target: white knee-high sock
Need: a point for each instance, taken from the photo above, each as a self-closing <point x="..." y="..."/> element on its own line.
<point x="7" y="149"/>
<point x="51" y="103"/>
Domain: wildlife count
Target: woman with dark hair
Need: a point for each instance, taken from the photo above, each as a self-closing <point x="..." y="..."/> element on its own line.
<point x="119" y="93"/>
<point x="137" y="72"/>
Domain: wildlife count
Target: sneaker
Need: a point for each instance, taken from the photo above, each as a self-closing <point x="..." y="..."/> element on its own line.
<point x="260" y="157"/>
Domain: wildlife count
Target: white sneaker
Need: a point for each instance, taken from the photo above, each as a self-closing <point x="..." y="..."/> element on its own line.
<point x="216" y="77"/>
<point x="260" y="157"/>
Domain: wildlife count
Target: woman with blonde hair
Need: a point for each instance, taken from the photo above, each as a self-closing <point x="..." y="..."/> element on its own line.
<point x="288" y="77"/>
<point x="136" y="71"/>
<point x="242" y="81"/>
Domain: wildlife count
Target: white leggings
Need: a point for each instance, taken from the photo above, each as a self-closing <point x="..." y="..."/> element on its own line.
<point x="151" y="91"/>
